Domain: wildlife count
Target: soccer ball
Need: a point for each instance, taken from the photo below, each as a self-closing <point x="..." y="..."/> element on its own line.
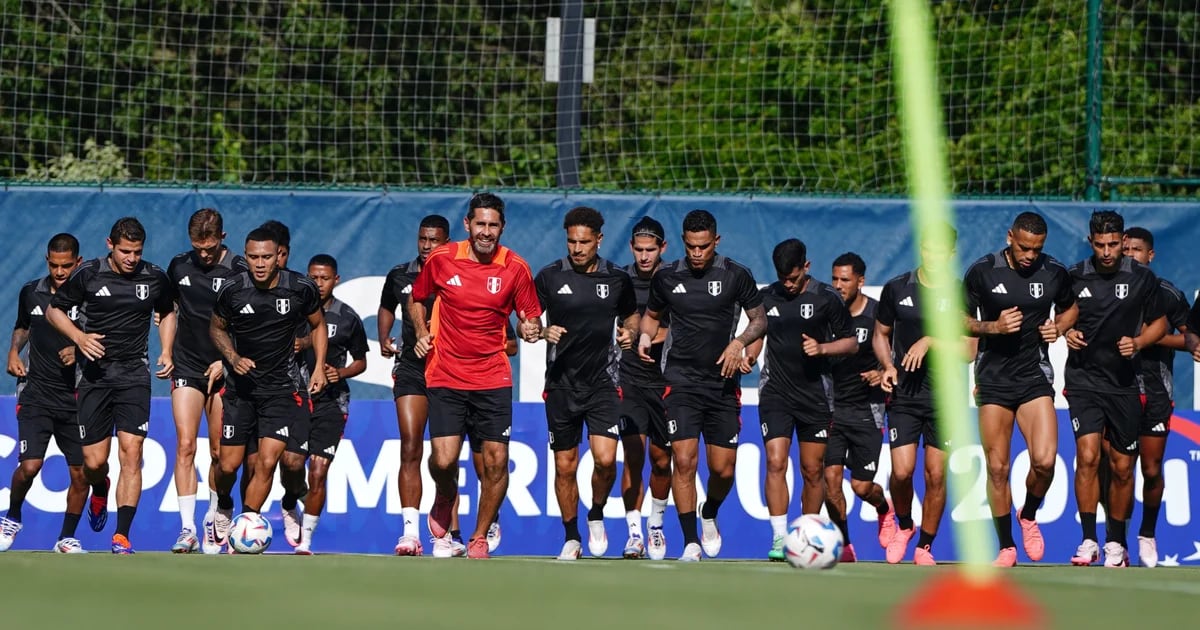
<point x="813" y="542"/>
<point x="250" y="533"/>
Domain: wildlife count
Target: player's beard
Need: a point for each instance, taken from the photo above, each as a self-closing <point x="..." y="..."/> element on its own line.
<point x="484" y="248"/>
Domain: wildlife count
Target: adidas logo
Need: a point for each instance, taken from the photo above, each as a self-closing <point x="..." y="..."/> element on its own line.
<point x="104" y="292"/>
<point x="733" y="440"/>
<point x="614" y="430"/>
<point x="186" y="282"/>
<point x="1159" y="428"/>
<point x="331" y="451"/>
<point x="870" y="466"/>
<point x="822" y="434"/>
<point x="145" y="427"/>
<point x="679" y="289"/>
<point x="565" y="290"/>
<point x="999" y="288"/>
<point x="304" y="446"/>
<point x="37" y="310"/>
<point x="906" y="301"/>
<point x="283" y="432"/>
<point x="407" y="290"/>
<point x="247" y="310"/>
<point x="774" y="312"/>
<point x="454" y="281"/>
<point x="1085" y="293"/>
<point x="1132" y="447"/>
<point x="507" y="431"/>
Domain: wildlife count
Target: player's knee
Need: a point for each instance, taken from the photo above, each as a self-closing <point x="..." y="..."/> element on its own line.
<point x="998" y="471"/>
<point x="811" y="471"/>
<point x="566" y="466"/>
<point x="318" y="473"/>
<point x="1122" y="468"/>
<point x="935" y="478"/>
<point x="901" y="476"/>
<point x="606" y="461"/>
<point x="777" y="464"/>
<point x="185" y="449"/>
<point x="1087" y="458"/>
<point x="1043" y="467"/>
<point x="29" y="469"/>
<point x="862" y="489"/>
<point x="1151" y="468"/>
<point x="411" y="451"/>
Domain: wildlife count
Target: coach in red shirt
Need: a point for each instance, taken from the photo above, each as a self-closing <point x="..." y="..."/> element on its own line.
<point x="478" y="283"/>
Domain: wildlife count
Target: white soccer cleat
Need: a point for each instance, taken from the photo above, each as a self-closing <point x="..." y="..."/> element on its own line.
<point x="304" y="548"/>
<point x="69" y="545"/>
<point x="1147" y="552"/>
<point x="442" y="547"/>
<point x="1087" y="553"/>
<point x="186" y="542"/>
<point x="209" y="545"/>
<point x="222" y="521"/>
<point x="656" y="547"/>
<point x="634" y="548"/>
<point x="291" y="525"/>
<point x="408" y="546"/>
<point x="1115" y="555"/>
<point x="710" y="534"/>
<point x="691" y="553"/>
<point x="597" y="538"/>
<point x="458" y="548"/>
<point x="8" y="533"/>
<point x="571" y="550"/>
<point x="493" y="536"/>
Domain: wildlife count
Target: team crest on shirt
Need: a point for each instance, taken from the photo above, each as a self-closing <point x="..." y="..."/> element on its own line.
<point x="73" y="313"/>
<point x="1122" y="291"/>
<point x="283" y="306"/>
<point x="227" y="431"/>
<point x="861" y="333"/>
<point x="332" y="329"/>
<point x="601" y="291"/>
<point x="217" y="282"/>
<point x="142" y="291"/>
<point x="714" y="288"/>
<point x="493" y="284"/>
<point x="1036" y="290"/>
<point x="806" y="311"/>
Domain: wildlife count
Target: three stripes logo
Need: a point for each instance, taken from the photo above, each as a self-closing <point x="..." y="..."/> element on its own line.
<point x="679" y="289"/>
<point x="247" y="310"/>
<point x="564" y="290"/>
<point x="999" y="289"/>
<point x="454" y="281"/>
<point x="103" y="292"/>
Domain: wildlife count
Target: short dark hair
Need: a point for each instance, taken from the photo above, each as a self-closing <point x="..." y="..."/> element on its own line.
<point x="585" y="216"/>
<point x="283" y="236"/>
<point x="1106" y="222"/>
<point x="648" y="227"/>
<point x="700" y="221"/>
<point x="205" y="223"/>
<point x="127" y="228"/>
<point x="1031" y="222"/>
<point x="486" y="200"/>
<point x="437" y="222"/>
<point x="324" y="260"/>
<point x="63" y="242"/>
<point x="1141" y="234"/>
<point x="262" y="235"/>
<point x="854" y="261"/>
<point x="788" y="255"/>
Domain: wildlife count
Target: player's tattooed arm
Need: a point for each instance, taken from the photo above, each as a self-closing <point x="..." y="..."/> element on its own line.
<point x="218" y="330"/>
<point x="1007" y="323"/>
<point x="757" y="327"/>
<point x="16" y="366"/>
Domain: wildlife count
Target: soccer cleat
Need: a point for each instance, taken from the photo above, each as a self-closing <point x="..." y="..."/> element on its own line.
<point x="493" y="536"/>
<point x="634" y="548"/>
<point x="1006" y="558"/>
<point x="209" y="545"/>
<point x="848" y="554"/>
<point x="291" y="525"/>
<point x="597" y="538"/>
<point x="69" y="545"/>
<point x="1087" y="553"/>
<point x="477" y="549"/>
<point x="887" y="526"/>
<point x="923" y="558"/>
<point x="1031" y="538"/>
<point x="303" y="549"/>
<point x="121" y="546"/>
<point x="691" y="553"/>
<point x="442" y="547"/>
<point x="710" y="534"/>
<point x="186" y="543"/>
<point x="656" y="547"/>
<point x="571" y="550"/>
<point x="408" y="546"/>
<point x="458" y="548"/>
<point x="97" y="509"/>
<point x="1115" y="555"/>
<point x="8" y="533"/>
<point x="1147" y="552"/>
<point x="898" y="547"/>
<point x="222" y="521"/>
<point x="777" y="554"/>
<point x="439" y="516"/>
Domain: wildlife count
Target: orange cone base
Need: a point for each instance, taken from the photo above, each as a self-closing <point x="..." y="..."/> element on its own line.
<point x="950" y="600"/>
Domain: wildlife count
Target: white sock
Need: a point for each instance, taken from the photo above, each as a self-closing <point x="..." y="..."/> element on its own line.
<point x="658" y="507"/>
<point x="411" y="517"/>
<point x="633" y="519"/>
<point x="212" y="502"/>
<point x="779" y="525"/>
<point x="308" y="525"/>
<point x="187" y="512"/>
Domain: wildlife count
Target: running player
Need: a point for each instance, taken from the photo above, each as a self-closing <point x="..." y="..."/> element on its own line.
<point x="478" y="283"/>
<point x="583" y="296"/>
<point x="702" y="366"/>
<point x="807" y="321"/>
<point x="643" y="419"/>
<point x="1009" y="296"/>
<point x="118" y="295"/>
<point x="331" y="406"/>
<point x="1158" y="383"/>
<point x="46" y="396"/>
<point x="198" y="377"/>
<point x="1119" y="315"/>
<point x="254" y="326"/>
<point x="855" y="437"/>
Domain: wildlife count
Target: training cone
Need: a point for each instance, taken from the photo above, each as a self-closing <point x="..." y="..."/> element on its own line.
<point x="953" y="600"/>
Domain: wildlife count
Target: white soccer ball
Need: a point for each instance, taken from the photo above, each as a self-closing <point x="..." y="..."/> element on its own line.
<point x="813" y="542"/>
<point x="250" y="533"/>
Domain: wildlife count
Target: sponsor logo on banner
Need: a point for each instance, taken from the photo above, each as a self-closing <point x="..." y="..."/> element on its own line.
<point x="493" y="284"/>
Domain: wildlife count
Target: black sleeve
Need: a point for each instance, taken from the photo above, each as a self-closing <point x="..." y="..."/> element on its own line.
<point x="539" y="285"/>
<point x="626" y="298"/>
<point x="747" y="290"/>
<point x="358" y="339"/>
<point x="223" y="307"/>
<point x="1175" y="305"/>
<point x="389" y="298"/>
<point x="310" y="298"/>
<point x="1152" y="304"/>
<point x="971" y="291"/>
<point x="657" y="300"/>
<point x="841" y="325"/>
<point x="71" y="292"/>
<point x="23" y="308"/>
<point x="885" y="312"/>
<point x="1193" y="322"/>
<point x="1065" y="298"/>
<point x="165" y="303"/>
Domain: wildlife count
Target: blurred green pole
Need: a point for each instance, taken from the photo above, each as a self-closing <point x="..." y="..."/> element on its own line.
<point x="1095" y="37"/>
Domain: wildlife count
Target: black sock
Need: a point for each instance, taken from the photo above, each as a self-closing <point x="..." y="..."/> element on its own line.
<point x="14" y="513"/>
<point x="842" y="525"/>
<point x="687" y="522"/>
<point x="70" y="524"/>
<point x="1114" y="531"/>
<point x="596" y="513"/>
<point x="100" y="490"/>
<point x="456" y="534"/>
<point x="497" y="519"/>
<point x="1149" y="520"/>
<point x="1087" y="520"/>
<point x="288" y="502"/>
<point x="571" y="529"/>
<point x="882" y="508"/>
<point x="905" y="521"/>
<point x="125" y="519"/>
<point x="1032" y="503"/>
<point x="710" y="508"/>
<point x="1004" y="530"/>
<point x="225" y="501"/>
<point x="925" y="539"/>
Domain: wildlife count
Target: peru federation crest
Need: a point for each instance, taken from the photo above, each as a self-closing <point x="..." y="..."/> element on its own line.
<point x="283" y="306"/>
<point x="714" y="288"/>
<point x="602" y="291"/>
<point x="1122" y="291"/>
<point x="493" y="284"/>
<point x="1036" y="290"/>
<point x="142" y="291"/>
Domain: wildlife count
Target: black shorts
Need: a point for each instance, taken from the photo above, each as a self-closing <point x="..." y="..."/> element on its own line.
<point x="328" y="423"/>
<point x="1012" y="395"/>
<point x="911" y="421"/>
<point x="408" y="379"/>
<point x="481" y="415"/>
<point x="104" y="411"/>
<point x="283" y="417"/>
<point x="714" y="414"/>
<point x="855" y="444"/>
<point x="196" y="381"/>
<point x="642" y="412"/>
<point x="1156" y="419"/>
<point x="1117" y="416"/>
<point x="780" y="420"/>
<point x="568" y="411"/>
<point x="36" y="424"/>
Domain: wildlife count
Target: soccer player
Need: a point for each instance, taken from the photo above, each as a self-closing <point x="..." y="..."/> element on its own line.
<point x="331" y="406"/>
<point x="198" y="377"/>
<point x="46" y="396"/>
<point x="900" y="338"/>
<point x="807" y="322"/>
<point x="1009" y="295"/>
<point x="702" y="366"/>
<point x="478" y="283"/>
<point x="254" y="326"/>
<point x="643" y="418"/>
<point x="856" y="437"/>
<point x="583" y="296"/>
<point x="118" y="295"/>
<point x="1119" y="315"/>
<point x="1158" y="381"/>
